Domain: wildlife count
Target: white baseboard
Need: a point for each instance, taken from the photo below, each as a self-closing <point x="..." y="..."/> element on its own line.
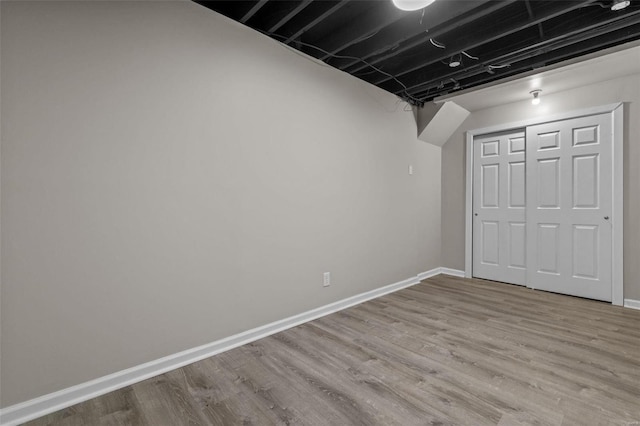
<point x="432" y="273"/>
<point x="37" y="407"/>
<point x="452" y="272"/>
<point x="633" y="304"/>
<point x="437" y="271"/>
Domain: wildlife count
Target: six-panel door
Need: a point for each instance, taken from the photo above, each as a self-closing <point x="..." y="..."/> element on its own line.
<point x="569" y="182"/>
<point x="499" y="208"/>
<point x="542" y="206"/>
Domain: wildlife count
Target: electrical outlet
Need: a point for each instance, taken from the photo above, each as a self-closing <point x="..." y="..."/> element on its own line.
<point x="326" y="282"/>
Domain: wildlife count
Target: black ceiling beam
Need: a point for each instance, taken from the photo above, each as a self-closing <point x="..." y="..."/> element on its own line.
<point x="436" y="32"/>
<point x="531" y="16"/>
<point x="274" y="26"/>
<point x="521" y="35"/>
<point x="576" y="36"/>
<point x="316" y="21"/>
<point x="383" y="15"/>
<point x="253" y="11"/>
<point x="550" y="58"/>
<point x="529" y="53"/>
<point x="474" y="40"/>
<point x="436" y="16"/>
<point x="559" y="42"/>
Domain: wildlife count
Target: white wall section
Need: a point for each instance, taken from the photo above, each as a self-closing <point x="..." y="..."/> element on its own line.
<point x="171" y="178"/>
<point x="37" y="407"/>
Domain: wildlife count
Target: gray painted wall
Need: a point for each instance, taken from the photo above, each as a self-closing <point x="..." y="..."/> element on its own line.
<point x="170" y="177"/>
<point x="625" y="89"/>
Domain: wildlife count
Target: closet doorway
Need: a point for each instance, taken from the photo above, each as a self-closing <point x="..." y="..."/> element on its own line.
<point x="544" y="204"/>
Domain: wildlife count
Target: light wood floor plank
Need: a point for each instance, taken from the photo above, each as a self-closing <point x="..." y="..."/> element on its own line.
<point x="449" y="351"/>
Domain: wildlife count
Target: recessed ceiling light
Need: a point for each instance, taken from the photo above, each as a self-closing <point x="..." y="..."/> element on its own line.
<point x="620" y="4"/>
<point x="412" y="4"/>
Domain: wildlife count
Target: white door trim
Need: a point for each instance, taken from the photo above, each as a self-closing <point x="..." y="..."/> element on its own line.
<point x="617" y="260"/>
<point x="617" y="114"/>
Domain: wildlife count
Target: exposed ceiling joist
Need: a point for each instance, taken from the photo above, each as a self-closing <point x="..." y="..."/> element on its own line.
<point x="253" y="11"/>
<point x="365" y="26"/>
<point x="397" y="47"/>
<point x="474" y="41"/>
<point x="550" y="51"/>
<point x="293" y="12"/>
<point x="333" y="9"/>
<point x="531" y="15"/>
<point x="470" y="40"/>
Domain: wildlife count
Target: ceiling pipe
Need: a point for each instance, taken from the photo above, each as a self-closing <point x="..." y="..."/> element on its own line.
<point x="594" y="30"/>
<point x="562" y="9"/>
<point x="425" y="93"/>
<point x="450" y="25"/>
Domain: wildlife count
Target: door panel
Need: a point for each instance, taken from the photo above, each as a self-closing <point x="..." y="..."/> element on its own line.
<point x="585" y="181"/>
<point x="585" y="135"/>
<point x="548" y="140"/>
<point x="548" y="243"/>
<point x="490" y="242"/>
<point x="516" y="145"/>
<point x="490" y="185"/>
<point x="516" y="184"/>
<point x="569" y="172"/>
<point x="490" y="148"/>
<point x="586" y="258"/>
<point x="499" y="243"/>
<point x="517" y="245"/>
<point x="548" y="183"/>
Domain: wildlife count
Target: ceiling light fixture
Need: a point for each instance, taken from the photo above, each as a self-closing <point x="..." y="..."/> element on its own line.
<point x="410" y="5"/>
<point x="455" y="61"/>
<point x="536" y="96"/>
<point x="620" y="4"/>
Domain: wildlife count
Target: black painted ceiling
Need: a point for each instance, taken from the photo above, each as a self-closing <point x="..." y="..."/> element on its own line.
<point x="409" y="53"/>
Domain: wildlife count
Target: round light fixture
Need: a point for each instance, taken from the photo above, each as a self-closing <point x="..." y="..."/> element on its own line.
<point x="410" y="5"/>
<point x="620" y="4"/>
<point x="536" y="96"/>
<point x="455" y="61"/>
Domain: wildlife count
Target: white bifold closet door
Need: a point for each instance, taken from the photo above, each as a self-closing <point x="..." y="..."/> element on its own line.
<point x="499" y="201"/>
<point x="569" y="188"/>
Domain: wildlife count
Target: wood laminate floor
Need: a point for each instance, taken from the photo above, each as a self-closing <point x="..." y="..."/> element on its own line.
<point x="448" y="351"/>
